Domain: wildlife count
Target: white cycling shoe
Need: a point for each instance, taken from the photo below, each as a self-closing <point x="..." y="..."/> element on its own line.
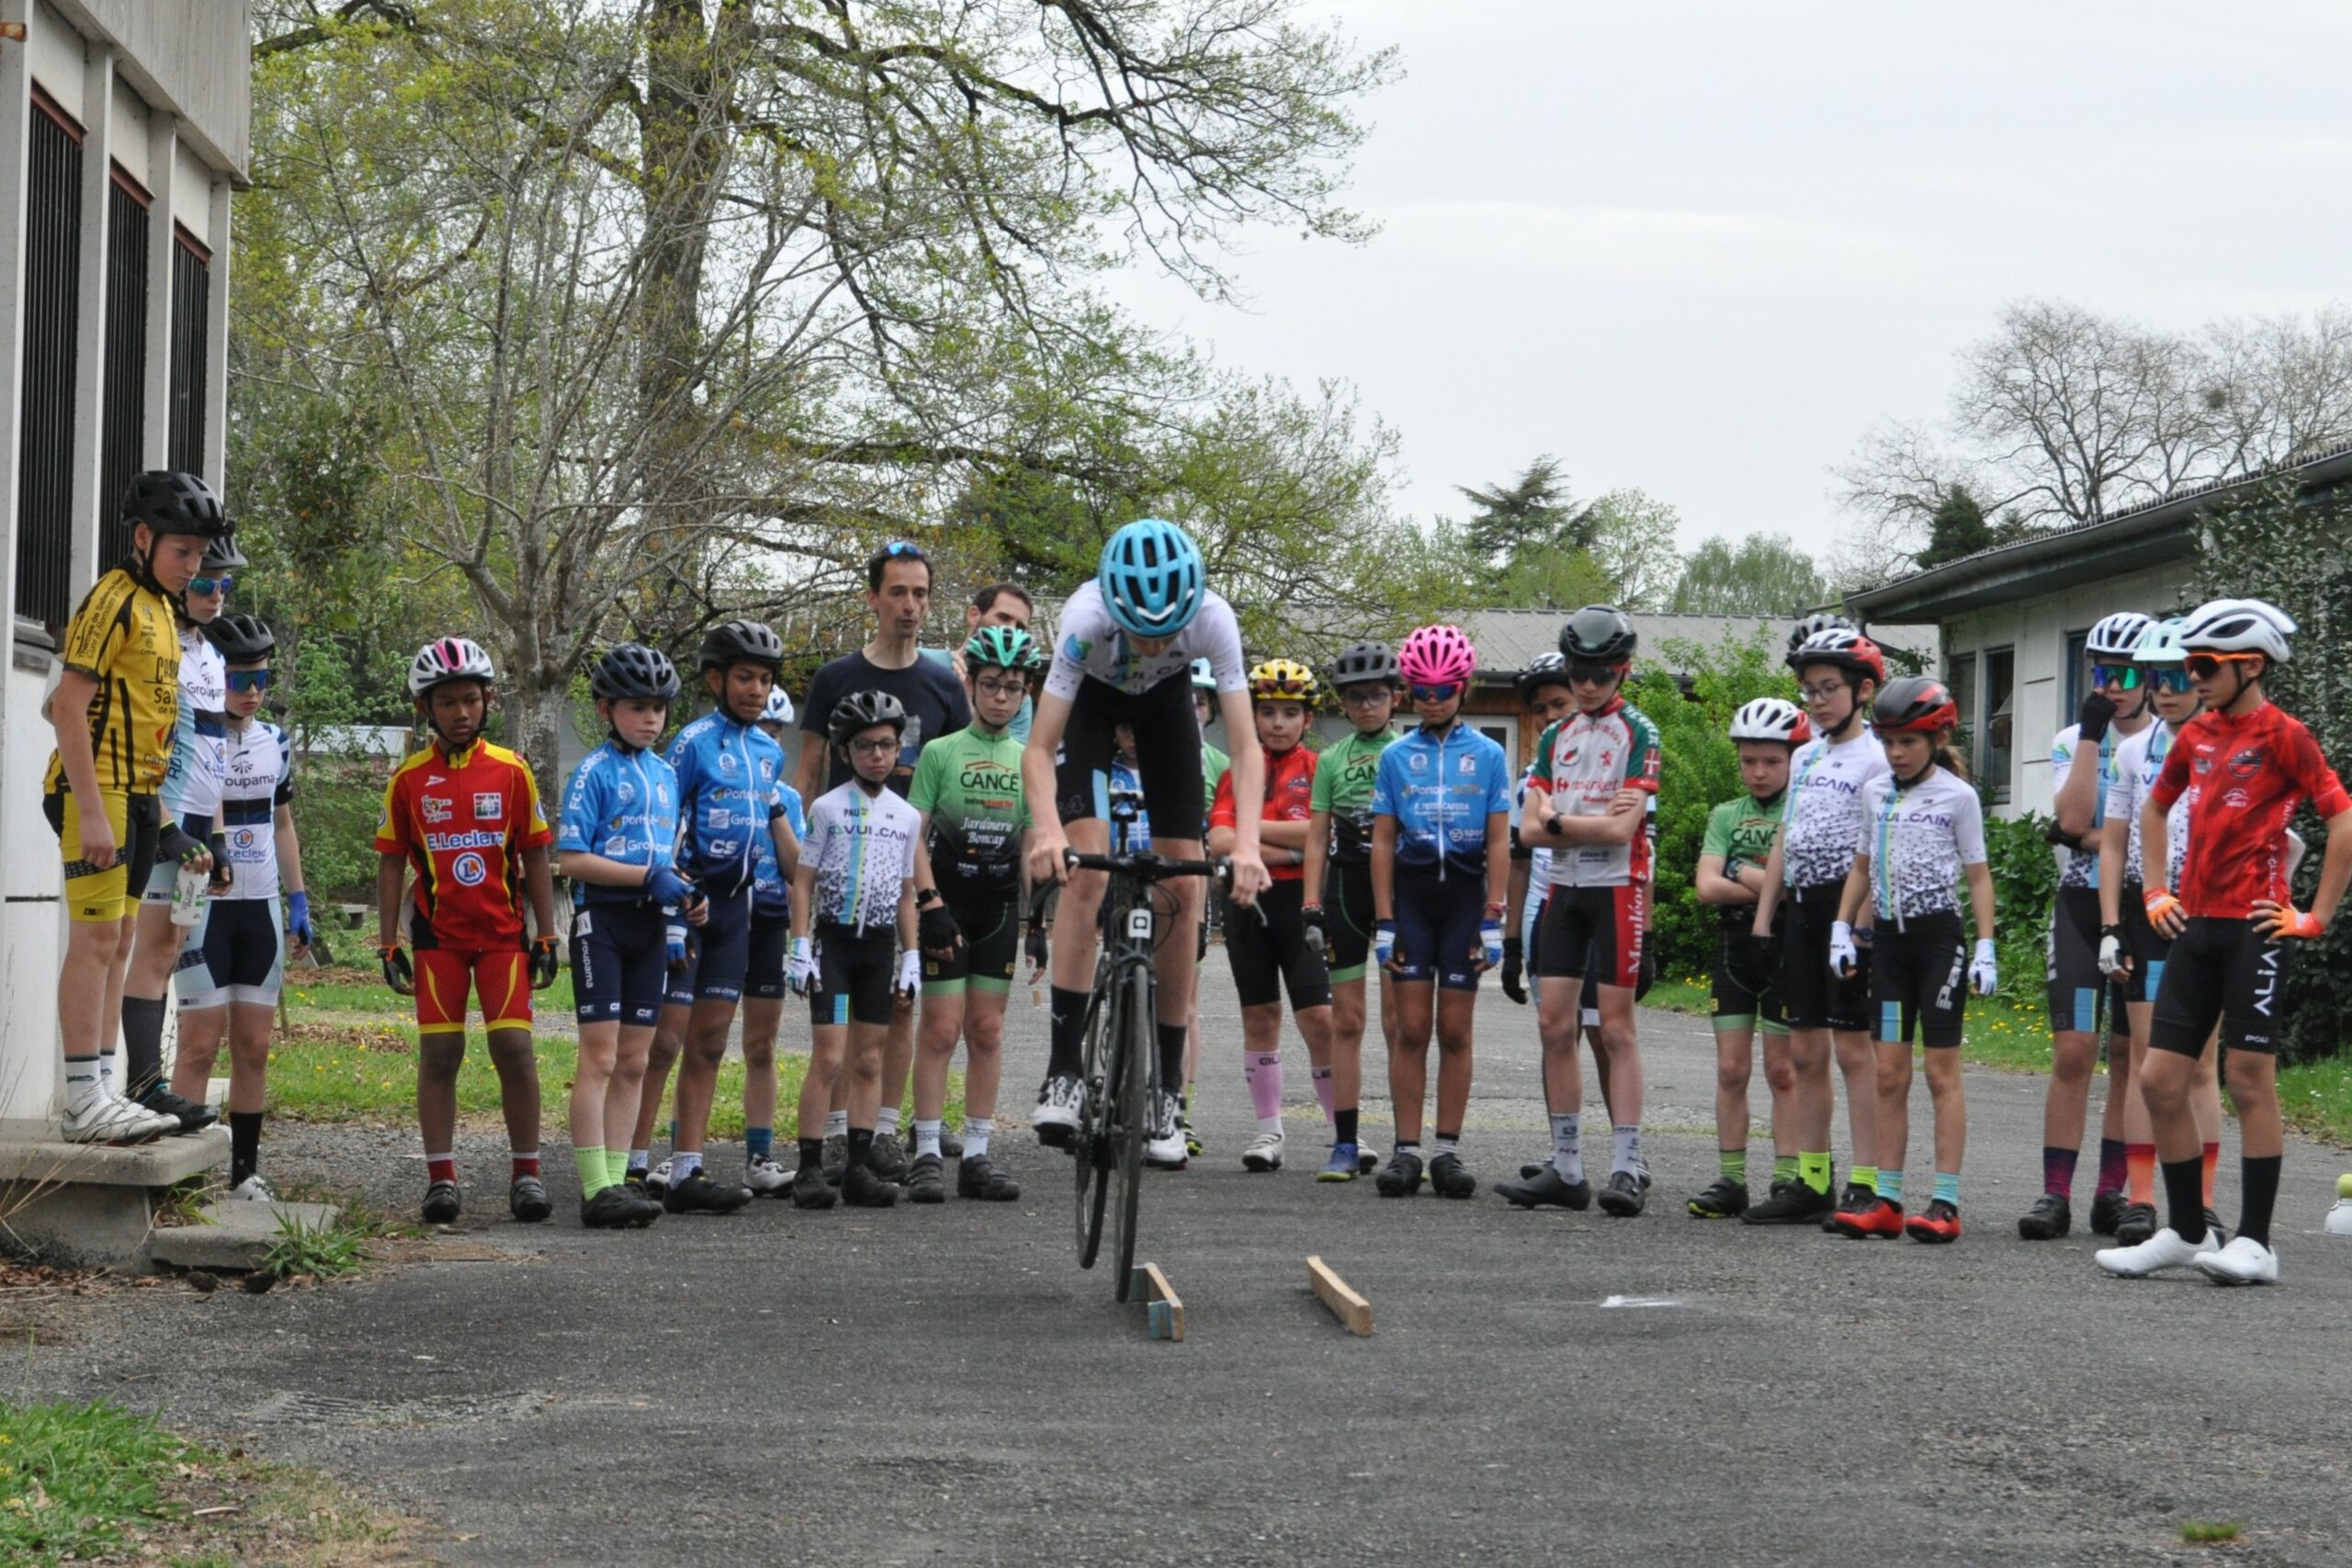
<point x="766" y="1178"/>
<point x="1263" y="1153"/>
<point x="1059" y="1105"/>
<point x="2163" y="1250"/>
<point x="1166" y="1149"/>
<point x="2245" y="1261"/>
<point x="110" y="1119"/>
<point x="254" y="1189"/>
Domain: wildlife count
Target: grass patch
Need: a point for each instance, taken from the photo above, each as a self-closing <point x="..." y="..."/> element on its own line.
<point x="315" y="1253"/>
<point x="2316" y="1099"/>
<point x="2000" y="1034"/>
<point x="2210" y="1532"/>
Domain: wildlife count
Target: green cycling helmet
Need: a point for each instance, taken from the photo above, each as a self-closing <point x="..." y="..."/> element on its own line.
<point x="1007" y="648"/>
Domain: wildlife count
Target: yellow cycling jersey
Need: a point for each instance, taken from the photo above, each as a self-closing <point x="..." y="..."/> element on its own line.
<point x="123" y="636"/>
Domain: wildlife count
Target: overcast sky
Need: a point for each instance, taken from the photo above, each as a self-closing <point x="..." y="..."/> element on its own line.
<point x="1701" y="248"/>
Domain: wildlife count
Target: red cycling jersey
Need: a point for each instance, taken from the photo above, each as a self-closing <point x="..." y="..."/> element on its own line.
<point x="1290" y="796"/>
<point x="2243" y="778"/>
<point x="463" y="822"/>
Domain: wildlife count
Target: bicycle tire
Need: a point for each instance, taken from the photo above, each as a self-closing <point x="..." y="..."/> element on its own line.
<point x="1137" y="1067"/>
<point x="1088" y="1149"/>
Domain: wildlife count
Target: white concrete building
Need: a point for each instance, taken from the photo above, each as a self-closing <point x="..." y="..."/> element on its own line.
<point x="124" y="128"/>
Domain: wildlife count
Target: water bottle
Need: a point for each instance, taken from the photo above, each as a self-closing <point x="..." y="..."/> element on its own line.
<point x="187" y="897"/>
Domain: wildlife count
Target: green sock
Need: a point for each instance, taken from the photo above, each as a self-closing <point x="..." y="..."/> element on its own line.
<point x="616" y="1167"/>
<point x="1866" y="1177"/>
<point x="1890" y="1185"/>
<point x="595" y="1175"/>
<point x="1813" y="1170"/>
<point x="1784" y="1168"/>
<point x="1735" y="1164"/>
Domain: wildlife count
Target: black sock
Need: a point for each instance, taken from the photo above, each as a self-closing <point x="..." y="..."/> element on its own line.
<point x="1171" y="1056"/>
<point x="1343" y="1125"/>
<point x="812" y="1153"/>
<point x="245" y="1146"/>
<point x="861" y="1144"/>
<point x="2185" y="1195"/>
<point x="142" y="1043"/>
<point x="2260" y="1180"/>
<point x="1067" y="1052"/>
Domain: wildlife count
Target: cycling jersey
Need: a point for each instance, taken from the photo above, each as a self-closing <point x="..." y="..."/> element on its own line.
<point x="2082" y="870"/>
<point x="2242" y="779"/>
<point x="462" y="820"/>
<point x="258" y="778"/>
<point x="727" y="775"/>
<point x="771" y="894"/>
<point x="1093" y="645"/>
<point x="192" y="778"/>
<point x="969" y="783"/>
<point x="1214" y="764"/>
<point x="1821" y="816"/>
<point x="1582" y="762"/>
<point x="863" y="846"/>
<point x="622" y="805"/>
<point x="2137" y="762"/>
<point x="1290" y="794"/>
<point x="122" y="637"/>
<point x="1343" y="780"/>
<point x="1441" y="789"/>
<point x="1741" y="832"/>
<point x="1919" y="840"/>
<point x="1123" y="785"/>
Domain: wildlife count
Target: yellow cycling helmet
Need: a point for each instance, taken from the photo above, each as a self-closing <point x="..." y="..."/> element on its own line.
<point x="1283" y="680"/>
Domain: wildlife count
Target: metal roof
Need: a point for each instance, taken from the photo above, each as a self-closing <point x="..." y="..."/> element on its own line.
<point x="1508" y="640"/>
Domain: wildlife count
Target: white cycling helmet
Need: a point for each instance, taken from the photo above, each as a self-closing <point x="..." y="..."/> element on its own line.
<point x="1771" y="718"/>
<point x="779" y="709"/>
<point x="448" y="659"/>
<point x="2117" y="636"/>
<point x="2239" y="625"/>
<point x="2160" y="644"/>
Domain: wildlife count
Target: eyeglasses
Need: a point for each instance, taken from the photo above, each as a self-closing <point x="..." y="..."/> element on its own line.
<point x="203" y="587"/>
<point x="1438" y="692"/>
<point x="1821" y="693"/>
<point x="2169" y="680"/>
<point x="2205" y="666"/>
<point x="1594" y="674"/>
<point x="1363" y="696"/>
<point x="1005" y="688"/>
<point x="875" y="746"/>
<point x="249" y="680"/>
<point x="2124" y="675"/>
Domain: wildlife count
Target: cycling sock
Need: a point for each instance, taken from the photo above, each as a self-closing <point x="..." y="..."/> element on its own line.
<point x="522" y="1163"/>
<point x="758" y="1144"/>
<point x="861" y="1144"/>
<point x="2212" y="1165"/>
<point x="1171" y="1060"/>
<point x="2058" y="1170"/>
<point x="1567" y="1146"/>
<point x="2185" y="1195"/>
<point x="673" y="1132"/>
<point x="1413" y="1149"/>
<point x="926" y="1137"/>
<point x="639" y="1161"/>
<point x="2139" y="1168"/>
<point x="1947" y="1188"/>
<point x="1262" y="1070"/>
<point x="1812" y="1169"/>
<point x="81" y="1084"/>
<point x="684" y="1165"/>
<point x="616" y="1167"/>
<point x="142" y="1043"/>
<point x="1890" y="1186"/>
<point x="977" y="1132"/>
<point x="1326" y="1094"/>
<point x="1066" y="1053"/>
<point x="594" y="1174"/>
<point x="812" y="1157"/>
<point x="440" y="1167"/>
<point x="1784" y="1168"/>
<point x="2260" y="1180"/>
<point x="1863" y="1176"/>
<point x="245" y="1146"/>
<point x="1447" y="1144"/>
<point x="886" y="1121"/>
<point x="1344" y="1126"/>
<point x="1624" y="1148"/>
<point x="837" y="1124"/>
<point x="1734" y="1164"/>
<point x="106" y="1072"/>
<point x="2112" y="1170"/>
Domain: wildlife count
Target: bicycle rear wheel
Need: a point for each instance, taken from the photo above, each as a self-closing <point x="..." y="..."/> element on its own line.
<point x="1136" y="1074"/>
<point x="1090" y="1151"/>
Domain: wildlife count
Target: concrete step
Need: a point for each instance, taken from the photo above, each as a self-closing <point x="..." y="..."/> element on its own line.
<point x="236" y="1234"/>
<point x="89" y="1202"/>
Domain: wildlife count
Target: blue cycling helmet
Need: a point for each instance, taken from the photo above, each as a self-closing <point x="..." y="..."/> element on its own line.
<point x="1151" y="579"/>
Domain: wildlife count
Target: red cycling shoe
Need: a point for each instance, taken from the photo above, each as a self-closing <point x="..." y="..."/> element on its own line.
<point x="1881" y="1217"/>
<point x="1939" y="1223"/>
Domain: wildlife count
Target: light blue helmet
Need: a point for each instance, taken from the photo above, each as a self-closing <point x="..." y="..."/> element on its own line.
<point x="1203" y="676"/>
<point x="1151" y="579"/>
<point x="2160" y="644"/>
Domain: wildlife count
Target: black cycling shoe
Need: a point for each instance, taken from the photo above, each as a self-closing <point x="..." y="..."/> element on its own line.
<point x="2051" y="1217"/>
<point x="950" y="1145"/>
<point x="888" y="1158"/>
<point x="1623" y="1194"/>
<point x="1727" y="1200"/>
<point x="1858" y="1198"/>
<point x="977" y="1176"/>
<point x="194" y="1114"/>
<point x="644" y="1208"/>
<point x="1546" y="1189"/>
<point x="527" y="1200"/>
<point x="862" y="1188"/>
<point x="1792" y="1203"/>
<point x="2137" y="1225"/>
<point x="1449" y="1179"/>
<point x="926" y="1180"/>
<point x="698" y="1194"/>
<point x="610" y="1210"/>
<point x="443" y="1203"/>
<point x="1403" y="1177"/>
<point x="2107" y="1212"/>
<point x="817" y="1194"/>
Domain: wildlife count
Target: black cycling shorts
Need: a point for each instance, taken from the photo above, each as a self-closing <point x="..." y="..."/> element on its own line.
<point x="991" y="946"/>
<point x="1273" y="957"/>
<point x="2148" y="949"/>
<point x="718" y="955"/>
<point x="2222" y="972"/>
<point x="1816" y="999"/>
<point x="1737" y="1004"/>
<point x="1920" y="980"/>
<point x="1595" y="931"/>
<point x="855" y="970"/>
<point x="1436" y="927"/>
<point x="620" y="962"/>
<point x="2078" y="992"/>
<point x="1168" y="753"/>
<point x="763" y="962"/>
<point x="1347" y="919"/>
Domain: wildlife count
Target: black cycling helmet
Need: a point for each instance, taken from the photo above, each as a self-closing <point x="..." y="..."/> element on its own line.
<point x="1543" y="670"/>
<point x="170" y="503"/>
<point x="1365" y="661"/>
<point x="1819" y="621"/>
<point x="241" y="639"/>
<point x="863" y="710"/>
<point x="633" y="669"/>
<point x="1599" y="634"/>
<point x="222" y="555"/>
<point x="741" y="642"/>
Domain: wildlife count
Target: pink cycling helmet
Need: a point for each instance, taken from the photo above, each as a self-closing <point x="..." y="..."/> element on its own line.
<point x="1433" y="656"/>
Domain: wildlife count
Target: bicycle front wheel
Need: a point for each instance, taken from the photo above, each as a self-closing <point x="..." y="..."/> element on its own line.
<point x="1091" y="1150"/>
<point x="1135" y="1069"/>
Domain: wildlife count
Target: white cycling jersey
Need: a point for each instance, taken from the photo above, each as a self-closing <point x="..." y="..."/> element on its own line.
<point x="258" y="765"/>
<point x="1919" y="840"/>
<point x="1821" y="818"/>
<point x="192" y="778"/>
<point x="1093" y="644"/>
<point x="2137" y="762"/>
<point x="863" y="846"/>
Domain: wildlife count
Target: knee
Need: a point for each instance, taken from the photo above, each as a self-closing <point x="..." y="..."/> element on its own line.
<point x="2251" y="1076"/>
<point x="439" y="1057"/>
<point x="1733" y="1073"/>
<point x="984" y="1039"/>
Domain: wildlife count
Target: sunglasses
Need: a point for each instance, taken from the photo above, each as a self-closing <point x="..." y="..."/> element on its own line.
<point x="2169" y="680"/>
<point x="249" y="680"/>
<point x="1440" y="692"/>
<point x="1594" y="674"/>
<point x="2124" y="675"/>
<point x="2205" y="666"/>
<point x="901" y="550"/>
<point x="203" y="587"/>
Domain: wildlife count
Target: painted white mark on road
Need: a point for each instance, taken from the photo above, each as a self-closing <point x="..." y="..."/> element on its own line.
<point x="1641" y="1302"/>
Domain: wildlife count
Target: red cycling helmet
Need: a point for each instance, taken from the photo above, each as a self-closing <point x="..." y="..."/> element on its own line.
<point x="1916" y="705"/>
<point x="1847" y="648"/>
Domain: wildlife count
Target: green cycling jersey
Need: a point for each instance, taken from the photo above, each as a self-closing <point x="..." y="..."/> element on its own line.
<point x="969" y="784"/>
<point x="1343" y="780"/>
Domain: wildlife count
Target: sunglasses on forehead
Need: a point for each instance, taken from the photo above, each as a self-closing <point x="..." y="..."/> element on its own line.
<point x="902" y="549"/>
<point x="2124" y="675"/>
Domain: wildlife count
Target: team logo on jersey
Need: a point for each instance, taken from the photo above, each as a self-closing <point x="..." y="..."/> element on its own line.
<point x="1075" y="648"/>
<point x="617" y="845"/>
<point x="1469" y="764"/>
<point x="2237" y="800"/>
<point x="1418" y="761"/>
<point x="2247" y="763"/>
<point x="243" y="839"/>
<point x="727" y="764"/>
<point x="468" y="869"/>
<point x="432" y="779"/>
<point x="436" y="809"/>
<point x="490" y="806"/>
<point x="627" y="791"/>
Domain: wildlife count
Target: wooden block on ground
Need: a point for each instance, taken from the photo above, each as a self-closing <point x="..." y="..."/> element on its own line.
<point x="1353" y="1311"/>
<point x="1163" y="1308"/>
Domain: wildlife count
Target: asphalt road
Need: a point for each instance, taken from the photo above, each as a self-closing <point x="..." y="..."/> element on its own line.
<point x="945" y="1385"/>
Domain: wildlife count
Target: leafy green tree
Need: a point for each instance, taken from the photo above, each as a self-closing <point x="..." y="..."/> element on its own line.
<point x="1957" y="529"/>
<point x="1764" y="574"/>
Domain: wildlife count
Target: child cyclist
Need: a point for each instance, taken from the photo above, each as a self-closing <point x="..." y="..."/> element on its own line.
<point x="1128" y="640"/>
<point x="464" y="814"/>
<point x="966" y="791"/>
<point x="1440" y="857"/>
<point x="855" y="950"/>
<point x="1277" y="958"/>
<point x="617" y="844"/>
<point x="1336" y="887"/>
<point x="2130" y="951"/>
<point x="1214" y="764"/>
<point x="229" y="980"/>
<point x="2244" y="768"/>
<point x="1923" y="831"/>
<point x="1840" y="674"/>
<point x="1545" y="693"/>
<point x="1732" y="858"/>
